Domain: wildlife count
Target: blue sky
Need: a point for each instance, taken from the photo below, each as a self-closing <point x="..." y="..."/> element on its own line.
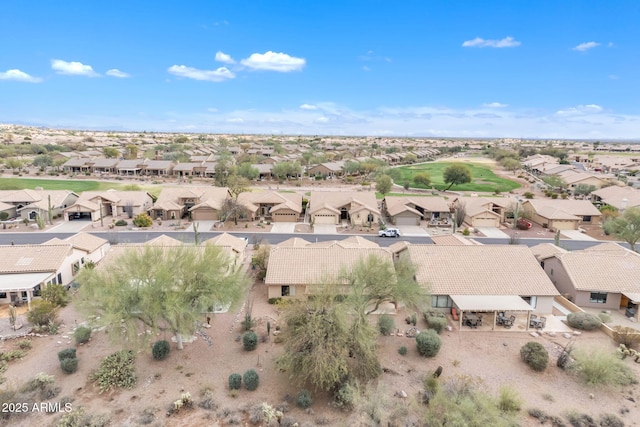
<point x="536" y="69"/>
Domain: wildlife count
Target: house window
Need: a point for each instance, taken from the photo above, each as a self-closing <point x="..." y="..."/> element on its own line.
<point x="598" y="297"/>
<point x="36" y="291"/>
<point x="532" y="301"/>
<point x="75" y="268"/>
<point x="3" y="295"/>
<point x="60" y="278"/>
<point x="285" y="291"/>
<point x="586" y="218"/>
<point x="441" y="301"/>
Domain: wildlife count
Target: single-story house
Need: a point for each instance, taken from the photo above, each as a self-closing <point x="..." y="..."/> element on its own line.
<point x="332" y="207"/>
<point x="272" y="205"/>
<point x="619" y="197"/>
<point x="410" y="210"/>
<point x="235" y="246"/>
<point x="315" y="265"/>
<point x="29" y="204"/>
<point x="327" y="169"/>
<point x="605" y="276"/>
<point x="561" y="214"/>
<point x="202" y="203"/>
<point x="484" y="278"/>
<point x="483" y="211"/>
<point x="96" y="205"/>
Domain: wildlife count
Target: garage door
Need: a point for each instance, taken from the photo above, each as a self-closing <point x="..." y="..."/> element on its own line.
<point x="285" y="217"/>
<point x="204" y="215"/>
<point x="485" y="222"/>
<point x="564" y="225"/>
<point x="324" y="219"/>
<point x="406" y="220"/>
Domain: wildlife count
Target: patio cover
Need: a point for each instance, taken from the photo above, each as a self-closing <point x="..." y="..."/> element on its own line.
<point x="22" y="282"/>
<point x="633" y="296"/>
<point x="490" y="303"/>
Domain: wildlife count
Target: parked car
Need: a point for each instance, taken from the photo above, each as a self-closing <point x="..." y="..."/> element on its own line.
<point x="389" y="232"/>
<point x="523" y="224"/>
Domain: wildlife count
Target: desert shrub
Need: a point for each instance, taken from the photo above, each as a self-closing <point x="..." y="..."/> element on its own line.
<point x="538" y="414"/>
<point x="42" y="313"/>
<point x="610" y="420"/>
<point x="564" y="359"/>
<point x="386" y="325"/>
<point x="403" y="351"/>
<point x="535" y="355"/>
<point x="597" y="367"/>
<point x="604" y="317"/>
<point x="583" y="321"/>
<point x="630" y="337"/>
<point x="581" y="420"/>
<point x="79" y="418"/>
<point x="40" y="381"/>
<point x="509" y="400"/>
<point x="345" y="396"/>
<point x="115" y="371"/>
<point x="82" y="334"/>
<point x="304" y="399"/>
<point x="466" y="232"/>
<point x="274" y="300"/>
<point x="69" y="365"/>
<point x="437" y="324"/>
<point x="161" y="349"/>
<point x="24" y="344"/>
<point x="207" y="401"/>
<point x="528" y="195"/>
<point x="428" y="343"/>
<point x="251" y="380"/>
<point x="56" y="294"/>
<point x="121" y="223"/>
<point x="250" y="341"/>
<point x="235" y="381"/>
<point x="12" y="355"/>
<point x="67" y="353"/>
<point x="142" y="220"/>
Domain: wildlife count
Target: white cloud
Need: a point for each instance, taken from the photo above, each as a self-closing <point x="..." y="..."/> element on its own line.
<point x="114" y="72"/>
<point x="580" y="110"/>
<point x="224" y="58"/>
<point x="480" y="42"/>
<point x="495" y="105"/>
<point x="322" y="119"/>
<point x="583" y="47"/>
<point x="72" y="68"/>
<point x="273" y="61"/>
<point x="212" y="110"/>
<point x="308" y="107"/>
<point x="365" y="68"/>
<point x="19" y="76"/>
<point x="218" y="75"/>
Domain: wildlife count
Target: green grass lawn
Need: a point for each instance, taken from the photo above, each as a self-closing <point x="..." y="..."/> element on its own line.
<point x="483" y="178"/>
<point x="77" y="186"/>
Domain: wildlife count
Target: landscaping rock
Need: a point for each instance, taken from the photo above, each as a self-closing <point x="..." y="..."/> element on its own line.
<point x="534" y="334"/>
<point x="567" y="335"/>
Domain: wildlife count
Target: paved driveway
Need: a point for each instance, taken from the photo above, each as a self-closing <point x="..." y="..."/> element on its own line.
<point x="202" y="226"/>
<point x="283" y="227"/>
<point x="411" y="230"/>
<point x="576" y="235"/>
<point x="69" y="227"/>
<point x="324" y="229"/>
<point x="492" y="232"/>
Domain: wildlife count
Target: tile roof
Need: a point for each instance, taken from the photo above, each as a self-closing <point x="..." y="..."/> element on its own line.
<point x="397" y="204"/>
<point x="86" y="242"/>
<point x="546" y="250"/>
<point x="479" y="270"/>
<point x="615" y="196"/>
<point x="32" y="258"/>
<point x="562" y="209"/>
<point x="294" y="242"/>
<point x="314" y="264"/>
<point x="237" y="244"/>
<point x="338" y="199"/>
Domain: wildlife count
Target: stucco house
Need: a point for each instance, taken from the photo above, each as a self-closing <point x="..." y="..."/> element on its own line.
<point x="332" y="207"/>
<point x="272" y="205"/>
<point x="619" y="197"/>
<point x="97" y="205"/>
<point x="561" y="214"/>
<point x="29" y="204"/>
<point x="202" y="203"/>
<point x="484" y="211"/>
<point x="604" y="276"/>
<point x="316" y="264"/>
<point x="481" y="278"/>
<point x="411" y="209"/>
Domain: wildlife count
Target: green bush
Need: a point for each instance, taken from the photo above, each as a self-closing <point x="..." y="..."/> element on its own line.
<point x="161" y="349"/>
<point x="142" y="220"/>
<point x="403" y="351"/>
<point x="535" y="355"/>
<point x="56" y="294"/>
<point x="69" y="365"/>
<point x="509" y="400"/>
<point x="235" y="381"/>
<point x="116" y="371"/>
<point x="67" y="353"/>
<point x="437" y="324"/>
<point x="121" y="223"/>
<point x="304" y="399"/>
<point x="82" y="334"/>
<point x="42" y="312"/>
<point x="386" y="325"/>
<point x="274" y="300"/>
<point x="428" y="343"/>
<point x="251" y="380"/>
<point x="345" y="396"/>
<point x="12" y="355"/>
<point x="598" y="367"/>
<point x="250" y="341"/>
<point x="583" y="321"/>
